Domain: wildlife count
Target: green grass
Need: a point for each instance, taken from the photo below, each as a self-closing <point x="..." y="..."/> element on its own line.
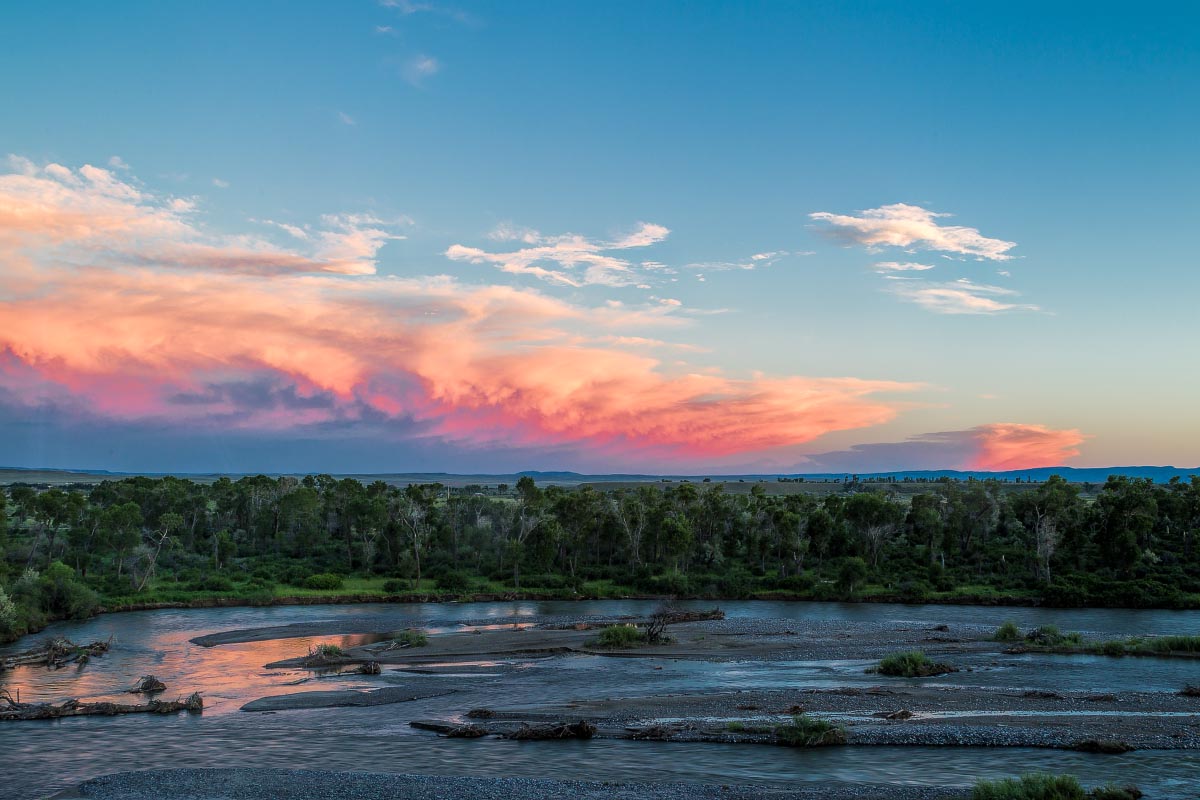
<point x="804" y="731"/>
<point x="909" y="664"/>
<point x="1030" y="787"/>
<point x="1153" y="646"/>
<point x="1008" y="632"/>
<point x="1051" y="636"/>
<point x="1049" y="787"/>
<point x="618" y="636"/>
<point x="412" y="638"/>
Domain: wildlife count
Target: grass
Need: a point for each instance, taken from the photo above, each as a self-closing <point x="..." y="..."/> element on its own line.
<point x="1049" y="787"/>
<point x="619" y="636"/>
<point x="804" y="731"/>
<point x="910" y="664"/>
<point x="1153" y="646"/>
<point x="1051" y="636"/>
<point x="1030" y="787"/>
<point x="1008" y="632"/>
<point x="412" y="638"/>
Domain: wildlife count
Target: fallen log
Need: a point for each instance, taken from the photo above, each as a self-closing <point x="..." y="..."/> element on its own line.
<point x="556" y="730"/>
<point x="55" y="653"/>
<point x="12" y="711"/>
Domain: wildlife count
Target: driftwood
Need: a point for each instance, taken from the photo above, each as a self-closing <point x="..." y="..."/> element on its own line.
<point x="148" y="684"/>
<point x="555" y="730"/>
<point x="10" y="710"/>
<point x="55" y="653"/>
<point x="669" y="615"/>
<point x="369" y="668"/>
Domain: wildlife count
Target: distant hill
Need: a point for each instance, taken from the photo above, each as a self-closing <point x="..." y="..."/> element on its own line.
<point x="9" y="475"/>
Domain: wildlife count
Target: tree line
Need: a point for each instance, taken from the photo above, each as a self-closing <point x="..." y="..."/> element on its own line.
<point x="63" y="551"/>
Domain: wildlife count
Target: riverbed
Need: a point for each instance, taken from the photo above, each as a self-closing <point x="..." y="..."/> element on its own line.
<point x="42" y="758"/>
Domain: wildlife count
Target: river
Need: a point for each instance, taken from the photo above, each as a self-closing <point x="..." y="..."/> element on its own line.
<point x="41" y="758"/>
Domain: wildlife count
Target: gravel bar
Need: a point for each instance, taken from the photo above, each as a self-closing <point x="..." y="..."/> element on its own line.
<point x="280" y="784"/>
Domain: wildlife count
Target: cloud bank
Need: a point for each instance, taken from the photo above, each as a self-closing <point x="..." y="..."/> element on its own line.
<point x="117" y="304"/>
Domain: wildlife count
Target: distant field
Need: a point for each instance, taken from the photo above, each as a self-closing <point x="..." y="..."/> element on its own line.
<point x="813" y="486"/>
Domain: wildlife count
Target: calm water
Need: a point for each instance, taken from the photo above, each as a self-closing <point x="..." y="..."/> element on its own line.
<point x="41" y="758"/>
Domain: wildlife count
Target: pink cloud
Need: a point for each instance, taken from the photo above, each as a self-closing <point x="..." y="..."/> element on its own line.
<point x="1012" y="445"/>
<point x="126" y="308"/>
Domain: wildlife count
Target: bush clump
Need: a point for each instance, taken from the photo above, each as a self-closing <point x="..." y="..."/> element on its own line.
<point x="804" y="731"/>
<point x="911" y="664"/>
<point x="324" y="581"/>
<point x="455" y="582"/>
<point x="1030" y="787"/>
<point x="1008" y="632"/>
<point x="1049" y="787"/>
<point x="1051" y="636"/>
<point x="617" y="636"/>
<point x="412" y="638"/>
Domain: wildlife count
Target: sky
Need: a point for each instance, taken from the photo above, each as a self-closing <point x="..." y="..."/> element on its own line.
<point x="403" y="236"/>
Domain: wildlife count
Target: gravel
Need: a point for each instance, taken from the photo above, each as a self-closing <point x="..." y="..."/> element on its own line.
<point x="278" y="784"/>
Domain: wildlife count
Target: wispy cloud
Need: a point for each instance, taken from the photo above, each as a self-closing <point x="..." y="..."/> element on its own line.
<point x="346" y="119"/>
<point x="568" y="259"/>
<point x="220" y="183"/>
<point x="89" y="215"/>
<point x="118" y="303"/>
<point x="419" y="68"/>
<point x="960" y="297"/>
<point x="901" y="266"/>
<point x="909" y="226"/>
<point x="116" y="162"/>
<point x="754" y="261"/>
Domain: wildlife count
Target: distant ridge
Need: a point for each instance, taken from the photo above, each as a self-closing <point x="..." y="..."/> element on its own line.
<point x="566" y="477"/>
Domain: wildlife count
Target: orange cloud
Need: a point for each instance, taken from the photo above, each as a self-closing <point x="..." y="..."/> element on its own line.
<point x="1012" y="445"/>
<point x="164" y="322"/>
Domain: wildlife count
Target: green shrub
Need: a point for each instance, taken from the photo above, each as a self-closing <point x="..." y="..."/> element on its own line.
<point x="64" y="596"/>
<point x="456" y="582"/>
<point x="804" y="731"/>
<point x="412" y="638"/>
<point x="212" y="583"/>
<point x="393" y="586"/>
<point x="910" y="664"/>
<point x="1113" y="792"/>
<point x="1030" y="787"/>
<point x="621" y="636"/>
<point x="325" y="582"/>
<point x="327" y="651"/>
<point x="8" y="616"/>
<point x="1051" y="636"/>
<point x="1008" y="632"/>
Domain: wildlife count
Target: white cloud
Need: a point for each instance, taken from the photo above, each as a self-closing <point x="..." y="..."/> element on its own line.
<point x="569" y="259"/>
<point x="419" y="68"/>
<point x="346" y="119"/>
<point x="101" y="219"/>
<point x="220" y="184"/>
<point x="764" y="259"/>
<point x="116" y="162"/>
<point x="901" y="266"/>
<point x="960" y="297"/>
<point x="908" y="226"/>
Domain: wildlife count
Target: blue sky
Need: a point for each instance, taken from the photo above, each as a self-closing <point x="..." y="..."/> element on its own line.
<point x="1068" y="136"/>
